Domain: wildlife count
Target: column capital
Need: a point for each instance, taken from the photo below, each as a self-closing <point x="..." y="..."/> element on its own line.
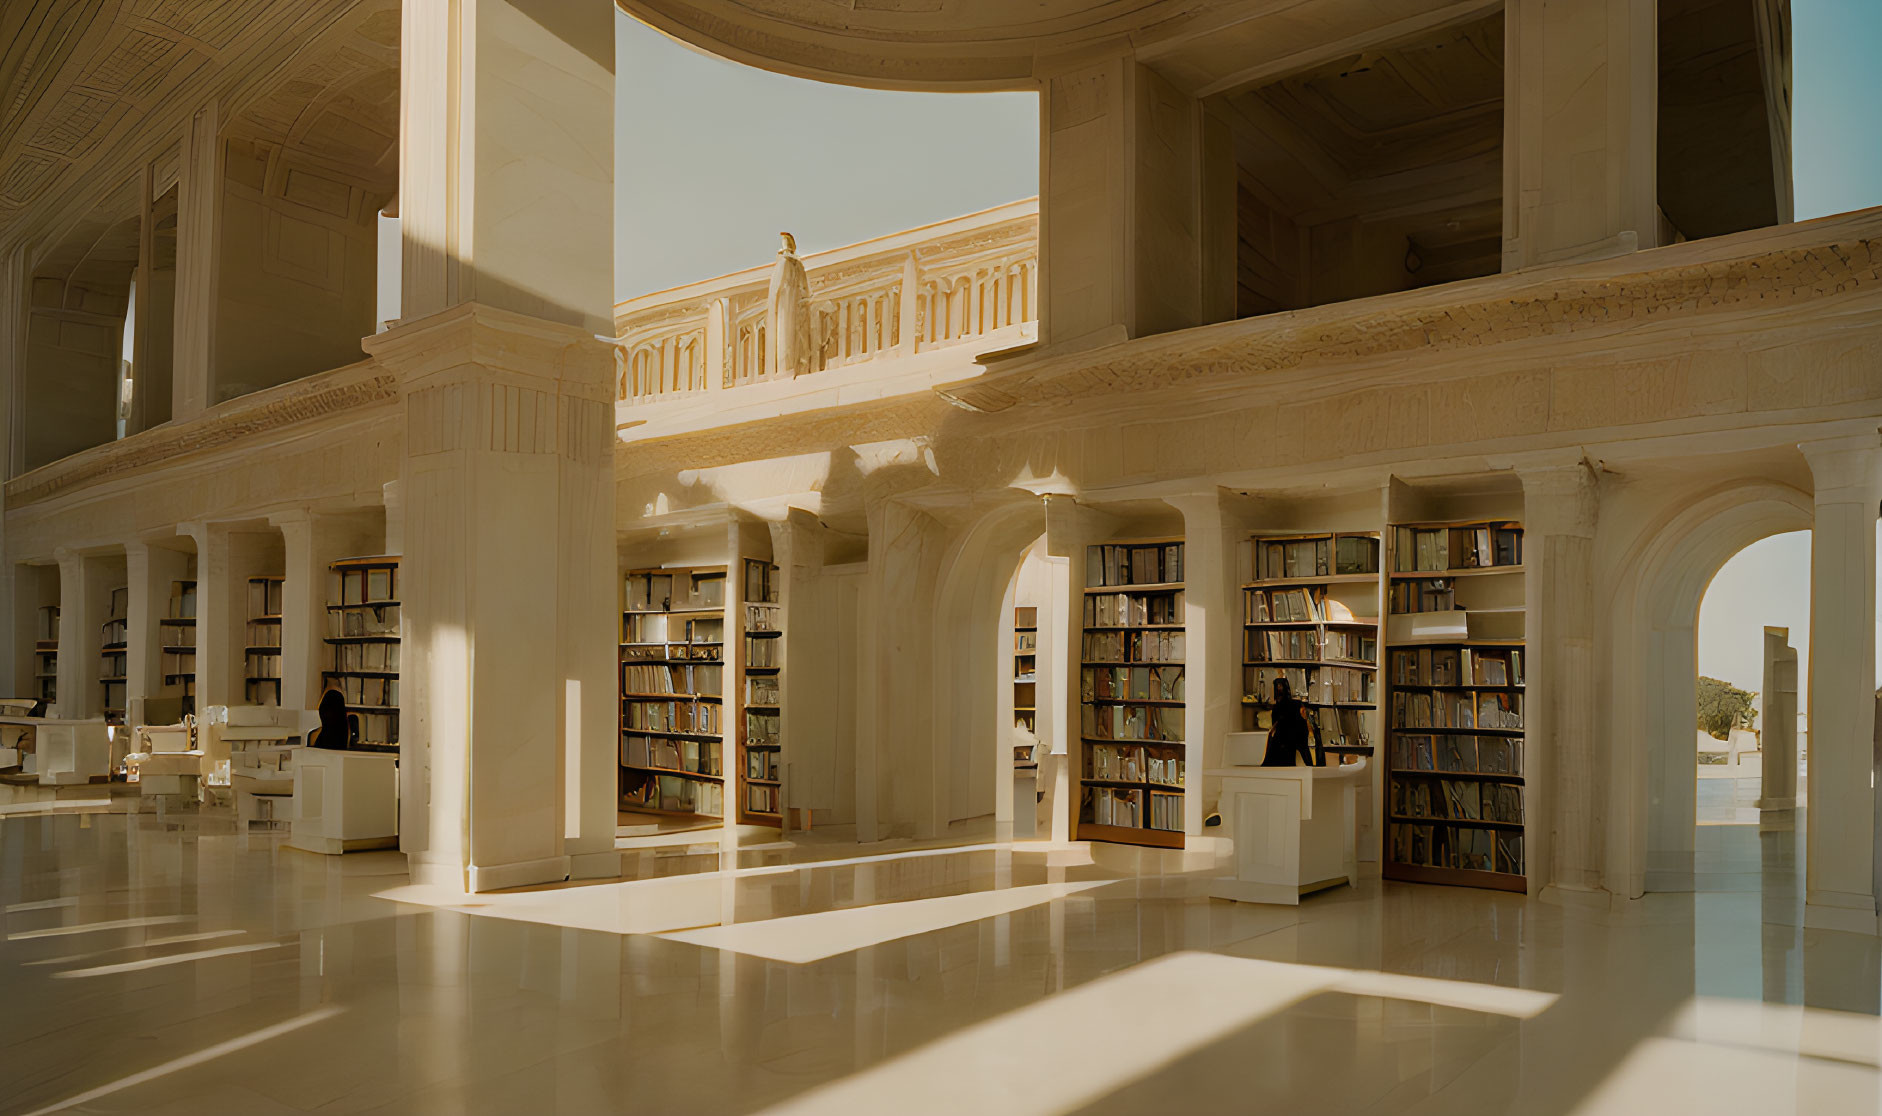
<point x="1560" y="499"/>
<point x="472" y="341"/>
<point x="1846" y="469"/>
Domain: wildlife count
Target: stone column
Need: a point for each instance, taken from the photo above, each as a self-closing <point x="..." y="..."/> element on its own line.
<point x="506" y="201"/>
<point x="78" y="654"/>
<point x="1211" y="659"/>
<point x="1070" y="528"/>
<point x="198" y="240"/>
<point x="1563" y="757"/>
<point x="900" y="783"/>
<point x="1841" y="819"/>
<point x="1580" y="117"/>
<point x="218" y="656"/>
<point x="1777" y="804"/>
<point x="149" y="572"/>
<point x="1121" y="196"/>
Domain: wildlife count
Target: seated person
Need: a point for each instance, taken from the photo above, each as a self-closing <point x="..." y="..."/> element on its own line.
<point x="336" y="727"/>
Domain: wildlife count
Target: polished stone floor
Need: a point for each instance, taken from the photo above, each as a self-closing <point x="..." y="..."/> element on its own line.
<point x="170" y="965"/>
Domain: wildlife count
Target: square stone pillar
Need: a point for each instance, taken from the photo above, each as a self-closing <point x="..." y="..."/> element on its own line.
<point x="901" y="785"/>
<point x="508" y="670"/>
<point x="1841" y="818"/>
<point x="218" y="657"/>
<point x="78" y="652"/>
<point x="1070" y="528"/>
<point x="1564" y="760"/>
<point x="1580" y="129"/>
<point x="149" y="571"/>
<point x="1212" y="662"/>
<point x="1778" y="738"/>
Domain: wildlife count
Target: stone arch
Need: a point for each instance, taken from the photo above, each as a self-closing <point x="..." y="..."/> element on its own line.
<point x="1654" y="616"/>
<point x="971" y="587"/>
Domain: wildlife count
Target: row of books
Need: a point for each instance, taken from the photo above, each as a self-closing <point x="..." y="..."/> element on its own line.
<point x="672" y="652"/>
<point x="672" y="716"/>
<point x="1322" y="684"/>
<point x="1461" y="755"/>
<point x="1132" y="763"/>
<point x="358" y="690"/>
<point x="761" y="617"/>
<point x="115" y="630"/>
<point x="1143" y="683"/>
<point x="1132" y="647"/>
<point x="264" y="596"/>
<point x="1452" y="846"/>
<point x="1418" y="549"/>
<point x="762" y="689"/>
<point x="706" y="679"/>
<point x="761" y="728"/>
<point x="1318" y="557"/>
<point x="1109" y="564"/>
<point x="49" y="624"/>
<point x="1132" y="722"/>
<point x="658" y="627"/>
<point x="1117" y="610"/>
<point x="1457" y="666"/>
<point x="1422" y="594"/>
<point x="265" y="634"/>
<point x="178" y="663"/>
<point x="118" y="602"/>
<point x="673" y="794"/>
<point x="182" y="600"/>
<point x="762" y="653"/>
<point x="761" y="799"/>
<point x="378" y="728"/>
<point x="761" y="581"/>
<point x="1264" y="606"/>
<point x="1457" y="799"/>
<point x="761" y="765"/>
<point x="256" y="691"/>
<point x="1493" y="709"/>
<point x="353" y="586"/>
<point x="112" y="664"/>
<point x="1025" y="641"/>
<point x="698" y="756"/>
<point x="374" y="620"/>
<point x="261" y="664"/>
<point x="677" y="589"/>
<point x="1282" y="644"/>
<point x="365" y="656"/>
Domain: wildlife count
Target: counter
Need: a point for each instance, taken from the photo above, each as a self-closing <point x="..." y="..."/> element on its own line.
<point x="1292" y="829"/>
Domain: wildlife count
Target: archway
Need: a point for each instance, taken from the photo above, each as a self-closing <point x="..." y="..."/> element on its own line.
<point x="1653" y="619"/>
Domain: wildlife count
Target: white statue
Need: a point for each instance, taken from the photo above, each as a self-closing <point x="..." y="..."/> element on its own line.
<point x="787" y="312"/>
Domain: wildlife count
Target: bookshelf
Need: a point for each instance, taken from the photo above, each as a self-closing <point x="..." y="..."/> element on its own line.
<point x="176" y="644"/>
<point x="672" y="691"/>
<point x="760" y="742"/>
<point x="114" y="639"/>
<point x="363" y="644"/>
<point x="1131" y="694"/>
<point x="1455" y="794"/>
<point x="46" y="655"/>
<point x="1025" y="680"/>
<point x="261" y="653"/>
<point x="1310" y="614"/>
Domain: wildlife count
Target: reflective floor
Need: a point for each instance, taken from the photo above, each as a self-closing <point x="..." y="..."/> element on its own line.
<point x="172" y="966"/>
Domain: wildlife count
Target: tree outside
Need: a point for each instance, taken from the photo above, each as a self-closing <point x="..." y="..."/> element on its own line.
<point x="1724" y="707"/>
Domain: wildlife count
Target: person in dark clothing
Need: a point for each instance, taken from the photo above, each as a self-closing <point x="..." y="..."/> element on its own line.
<point x="1287" y="734"/>
<point x="334" y="731"/>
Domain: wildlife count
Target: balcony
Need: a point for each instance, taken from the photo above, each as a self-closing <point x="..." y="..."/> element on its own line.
<point x="900" y="313"/>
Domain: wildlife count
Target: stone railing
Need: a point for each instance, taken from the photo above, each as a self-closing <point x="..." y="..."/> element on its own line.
<point x="971" y="279"/>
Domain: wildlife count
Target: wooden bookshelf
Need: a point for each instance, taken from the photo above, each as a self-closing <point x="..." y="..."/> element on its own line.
<point x="261" y="654"/>
<point x="113" y="644"/>
<point x="363" y="644"/>
<point x="46" y="655"/>
<point x="672" y="663"/>
<point x="760" y="739"/>
<point x="1455" y="795"/>
<point x="1310" y="614"/>
<point x="1132" y="755"/>
<point x="1025" y="680"/>
<point x="176" y="644"/>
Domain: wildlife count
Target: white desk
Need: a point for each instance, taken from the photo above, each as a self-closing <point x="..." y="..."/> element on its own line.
<point x="1292" y="829"/>
<point x="68" y="752"/>
<point x="345" y="801"/>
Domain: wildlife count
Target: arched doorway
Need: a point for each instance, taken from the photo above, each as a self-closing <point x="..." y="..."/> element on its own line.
<point x="1654" y="618"/>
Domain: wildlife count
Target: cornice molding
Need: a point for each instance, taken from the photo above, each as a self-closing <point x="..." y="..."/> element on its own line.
<point x="343" y="390"/>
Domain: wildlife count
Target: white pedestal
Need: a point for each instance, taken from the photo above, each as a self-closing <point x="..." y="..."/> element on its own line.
<point x="1292" y="830"/>
<point x="345" y="801"/>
